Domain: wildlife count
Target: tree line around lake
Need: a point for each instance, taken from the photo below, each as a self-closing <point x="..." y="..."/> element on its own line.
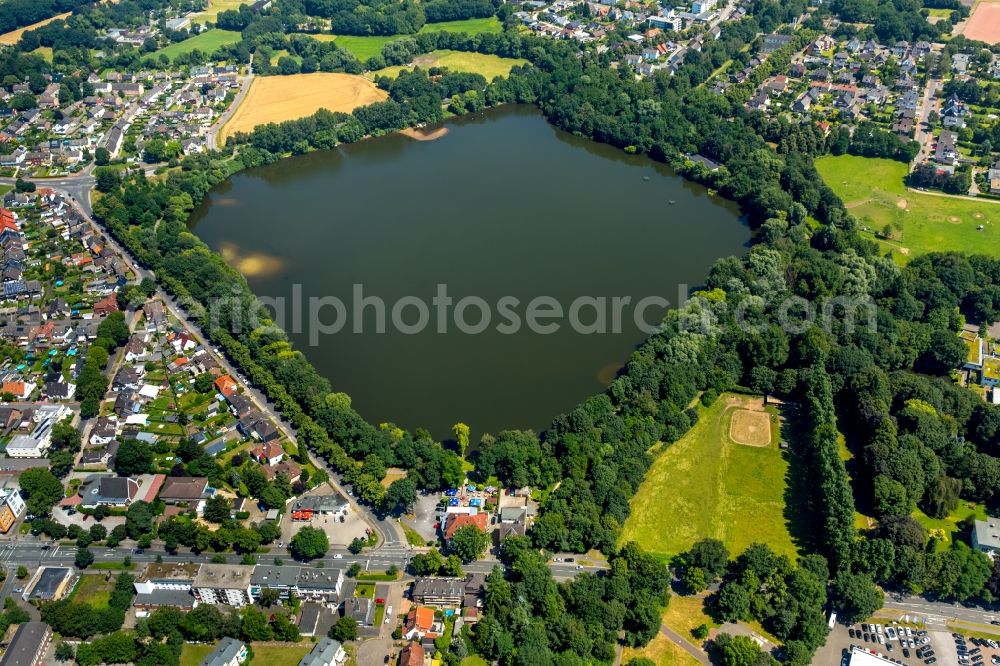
<point x="809" y="249"/>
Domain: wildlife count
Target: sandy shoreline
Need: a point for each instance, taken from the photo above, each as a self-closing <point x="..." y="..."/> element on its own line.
<point x="422" y="135"/>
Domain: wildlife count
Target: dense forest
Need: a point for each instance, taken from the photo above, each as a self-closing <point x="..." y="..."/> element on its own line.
<point x="16" y="14"/>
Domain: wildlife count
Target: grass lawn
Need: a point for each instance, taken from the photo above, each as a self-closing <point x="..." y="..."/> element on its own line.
<point x="206" y="42"/>
<point x="490" y="66"/>
<point x="364" y="47"/>
<point x="875" y="193"/>
<point x="380" y="577"/>
<point x="945" y="528"/>
<point x="289" y="654"/>
<point x="94" y="590"/>
<point x="218" y="6"/>
<point x="474" y="660"/>
<point x="662" y="651"/>
<point x="706" y="485"/>
<point x="273" y="99"/>
<point x="412" y="536"/>
<point x="192" y="654"/>
<point x="365" y="590"/>
<point x="684" y="614"/>
<point x="470" y="26"/>
<point x="4" y="189"/>
<point x="45" y="52"/>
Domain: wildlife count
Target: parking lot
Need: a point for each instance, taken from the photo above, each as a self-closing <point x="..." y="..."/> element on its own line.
<point x="930" y="647"/>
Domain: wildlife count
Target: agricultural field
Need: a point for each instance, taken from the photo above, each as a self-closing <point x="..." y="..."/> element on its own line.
<point x="215" y="8"/>
<point x="14" y="36"/>
<point x="708" y="484"/>
<point x="273" y="99"/>
<point x="875" y="192"/>
<point x="984" y="23"/>
<point x="490" y="66"/>
<point x="206" y="42"/>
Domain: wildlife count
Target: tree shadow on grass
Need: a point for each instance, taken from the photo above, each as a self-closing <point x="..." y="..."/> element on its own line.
<point x="799" y="487"/>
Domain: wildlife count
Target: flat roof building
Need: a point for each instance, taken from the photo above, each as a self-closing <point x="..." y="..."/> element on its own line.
<point x="433" y="591"/>
<point x="986" y="535"/>
<point x="48" y="584"/>
<point x="223" y="584"/>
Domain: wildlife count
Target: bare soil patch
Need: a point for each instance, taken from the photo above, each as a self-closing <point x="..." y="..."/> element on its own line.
<point x="750" y="428"/>
<point x="984" y="24"/>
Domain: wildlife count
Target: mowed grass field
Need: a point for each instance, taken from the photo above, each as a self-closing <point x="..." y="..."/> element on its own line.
<point x="14" y="36"/>
<point x="192" y="654"/>
<point x="707" y="485"/>
<point x="215" y="8"/>
<point x="206" y="42"/>
<point x="874" y="191"/>
<point x="289" y="654"/>
<point x="94" y="590"/>
<point x="364" y="47"/>
<point x="273" y="99"/>
<point x="490" y="66"/>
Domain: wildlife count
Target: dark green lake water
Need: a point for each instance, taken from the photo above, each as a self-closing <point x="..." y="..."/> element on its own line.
<point x="503" y="205"/>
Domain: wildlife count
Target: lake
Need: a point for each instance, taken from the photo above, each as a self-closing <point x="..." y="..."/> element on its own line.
<point x="515" y="219"/>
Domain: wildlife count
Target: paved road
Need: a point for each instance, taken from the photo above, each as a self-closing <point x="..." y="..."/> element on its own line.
<point x="685" y="644"/>
<point x="29" y="551"/>
<point x="939" y="613"/>
<point x="923" y="133"/>
<point x="213" y="131"/>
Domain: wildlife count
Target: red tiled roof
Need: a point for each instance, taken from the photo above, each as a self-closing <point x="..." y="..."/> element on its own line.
<point x="154" y="488"/>
<point x="456" y="521"/>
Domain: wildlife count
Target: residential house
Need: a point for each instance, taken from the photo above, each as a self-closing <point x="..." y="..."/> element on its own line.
<point x="229" y="652"/>
<point x="327" y="652"/>
<point x="420" y="623"/>
<point x="99" y="490"/>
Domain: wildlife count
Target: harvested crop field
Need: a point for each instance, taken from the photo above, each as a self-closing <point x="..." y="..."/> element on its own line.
<point x="273" y="99"/>
<point x="14" y="36"/>
<point x="984" y="24"/>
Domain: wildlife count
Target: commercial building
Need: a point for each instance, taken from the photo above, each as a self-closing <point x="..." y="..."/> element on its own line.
<point x="223" y="584"/>
<point x="48" y="584"/>
<point x="166" y="585"/>
<point x="11" y="508"/>
<point x="34" y="445"/>
<point x="229" y="652"/>
<point x="29" y="645"/>
<point x="99" y="490"/>
<point x="327" y="652"/>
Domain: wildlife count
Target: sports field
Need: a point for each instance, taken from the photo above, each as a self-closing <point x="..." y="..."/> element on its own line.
<point x="273" y="99"/>
<point x="490" y="66"/>
<point x="874" y="192"/>
<point x="708" y="485"/>
<point x="206" y="42"/>
<point x="984" y="23"/>
<point x="14" y="36"/>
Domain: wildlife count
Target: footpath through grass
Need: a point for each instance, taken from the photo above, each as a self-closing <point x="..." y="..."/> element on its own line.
<point x="874" y="191"/>
<point x="706" y="485"/>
